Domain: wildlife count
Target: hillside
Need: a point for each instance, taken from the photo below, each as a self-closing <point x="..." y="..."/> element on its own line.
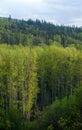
<point x="40" y="76"/>
<point x="14" y="31"/>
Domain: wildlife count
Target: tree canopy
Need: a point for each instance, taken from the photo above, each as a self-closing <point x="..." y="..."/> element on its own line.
<point x="40" y="84"/>
<point x="14" y="31"/>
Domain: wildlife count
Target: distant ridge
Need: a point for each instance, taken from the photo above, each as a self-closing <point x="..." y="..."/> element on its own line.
<point x="30" y="32"/>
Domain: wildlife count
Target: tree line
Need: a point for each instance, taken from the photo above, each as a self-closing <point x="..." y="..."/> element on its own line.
<point x="14" y="31"/>
<point x="39" y="85"/>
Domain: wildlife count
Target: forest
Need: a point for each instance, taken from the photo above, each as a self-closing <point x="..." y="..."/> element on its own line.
<point x="40" y="76"/>
<point x="32" y="33"/>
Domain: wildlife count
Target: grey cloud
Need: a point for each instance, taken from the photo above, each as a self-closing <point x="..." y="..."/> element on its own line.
<point x="66" y="12"/>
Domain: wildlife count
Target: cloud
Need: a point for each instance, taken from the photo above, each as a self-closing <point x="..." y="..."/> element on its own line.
<point x="56" y="11"/>
<point x="28" y="2"/>
<point x="76" y="21"/>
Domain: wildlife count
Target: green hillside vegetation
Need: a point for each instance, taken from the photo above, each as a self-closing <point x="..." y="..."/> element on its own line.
<point x="13" y="31"/>
<point x="40" y="87"/>
<point x="40" y="75"/>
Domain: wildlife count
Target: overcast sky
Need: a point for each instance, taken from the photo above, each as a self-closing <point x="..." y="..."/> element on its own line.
<point x="67" y="12"/>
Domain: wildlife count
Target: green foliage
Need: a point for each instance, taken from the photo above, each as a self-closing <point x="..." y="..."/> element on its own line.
<point x="78" y="95"/>
<point x="30" y="125"/>
<point x="38" y="85"/>
<point x="50" y="127"/>
<point x="31" y="33"/>
<point x="15" y="119"/>
<point x="64" y="114"/>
